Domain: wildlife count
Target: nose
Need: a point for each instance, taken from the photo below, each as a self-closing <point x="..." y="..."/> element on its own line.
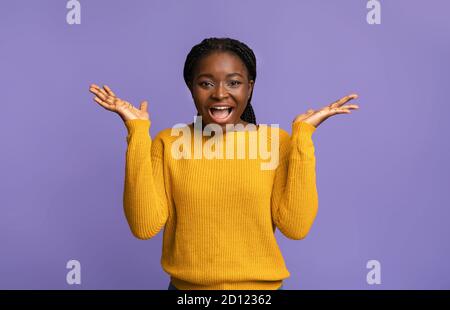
<point x="220" y="92"/>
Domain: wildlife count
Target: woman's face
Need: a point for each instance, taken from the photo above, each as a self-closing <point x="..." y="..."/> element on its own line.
<point x="221" y="89"/>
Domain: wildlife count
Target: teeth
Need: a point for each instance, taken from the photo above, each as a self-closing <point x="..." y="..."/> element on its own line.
<point x="220" y="108"/>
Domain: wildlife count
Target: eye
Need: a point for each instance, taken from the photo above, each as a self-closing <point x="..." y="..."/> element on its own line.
<point x="205" y="84"/>
<point x="235" y="83"/>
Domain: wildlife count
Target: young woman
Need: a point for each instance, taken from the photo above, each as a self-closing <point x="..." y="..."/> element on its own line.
<point x="219" y="215"/>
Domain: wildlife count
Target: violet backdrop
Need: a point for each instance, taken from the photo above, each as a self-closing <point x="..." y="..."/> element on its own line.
<point x="382" y="171"/>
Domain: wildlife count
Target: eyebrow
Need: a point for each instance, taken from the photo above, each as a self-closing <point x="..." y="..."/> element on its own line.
<point x="211" y="76"/>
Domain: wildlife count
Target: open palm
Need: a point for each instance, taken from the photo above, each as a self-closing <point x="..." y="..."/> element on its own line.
<point x="108" y="100"/>
<point x="316" y="117"/>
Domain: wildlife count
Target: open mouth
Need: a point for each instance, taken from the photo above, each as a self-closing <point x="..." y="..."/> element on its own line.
<point x="220" y="114"/>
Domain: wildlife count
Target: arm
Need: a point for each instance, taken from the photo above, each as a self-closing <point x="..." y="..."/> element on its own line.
<point x="144" y="199"/>
<point x="294" y="195"/>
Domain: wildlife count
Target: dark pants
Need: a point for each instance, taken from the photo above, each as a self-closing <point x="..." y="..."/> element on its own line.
<point x="172" y="287"/>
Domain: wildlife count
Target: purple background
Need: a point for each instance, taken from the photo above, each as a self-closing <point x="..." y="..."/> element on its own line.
<point x="383" y="171"/>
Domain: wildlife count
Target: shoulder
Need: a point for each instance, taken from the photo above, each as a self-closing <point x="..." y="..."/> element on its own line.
<point x="276" y="131"/>
<point x="279" y="138"/>
<point x="163" y="134"/>
<point x="172" y="133"/>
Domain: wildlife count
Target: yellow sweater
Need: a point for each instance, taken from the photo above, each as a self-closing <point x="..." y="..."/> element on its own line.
<point x="219" y="215"/>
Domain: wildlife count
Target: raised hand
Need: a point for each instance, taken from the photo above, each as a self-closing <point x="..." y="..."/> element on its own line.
<point x="315" y="118"/>
<point x="107" y="99"/>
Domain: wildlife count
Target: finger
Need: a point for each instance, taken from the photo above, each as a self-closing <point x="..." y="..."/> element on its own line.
<point x="109" y="91"/>
<point x="144" y="105"/>
<point x="94" y="86"/>
<point x="341" y="111"/>
<point x="103" y="92"/>
<point x="343" y="100"/>
<point x="96" y="89"/>
<point x="350" y="106"/>
<point x="98" y="93"/>
<point x="93" y="89"/>
<point x="102" y="103"/>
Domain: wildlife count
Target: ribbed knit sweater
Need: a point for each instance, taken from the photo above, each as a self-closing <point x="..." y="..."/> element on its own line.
<point x="219" y="215"/>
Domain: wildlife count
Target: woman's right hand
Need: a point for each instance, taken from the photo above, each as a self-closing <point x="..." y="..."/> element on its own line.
<point x="107" y="99"/>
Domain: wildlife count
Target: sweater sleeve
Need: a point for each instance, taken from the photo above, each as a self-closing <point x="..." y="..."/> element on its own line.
<point x="294" y="196"/>
<point x="144" y="200"/>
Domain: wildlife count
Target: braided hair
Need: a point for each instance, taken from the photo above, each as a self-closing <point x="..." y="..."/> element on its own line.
<point x="240" y="49"/>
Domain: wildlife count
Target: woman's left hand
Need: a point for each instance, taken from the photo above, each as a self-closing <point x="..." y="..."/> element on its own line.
<point x="315" y="118"/>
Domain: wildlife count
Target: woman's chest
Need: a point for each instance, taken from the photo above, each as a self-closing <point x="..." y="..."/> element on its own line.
<point x="225" y="180"/>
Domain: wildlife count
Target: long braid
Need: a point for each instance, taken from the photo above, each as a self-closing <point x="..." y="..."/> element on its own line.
<point x="223" y="44"/>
